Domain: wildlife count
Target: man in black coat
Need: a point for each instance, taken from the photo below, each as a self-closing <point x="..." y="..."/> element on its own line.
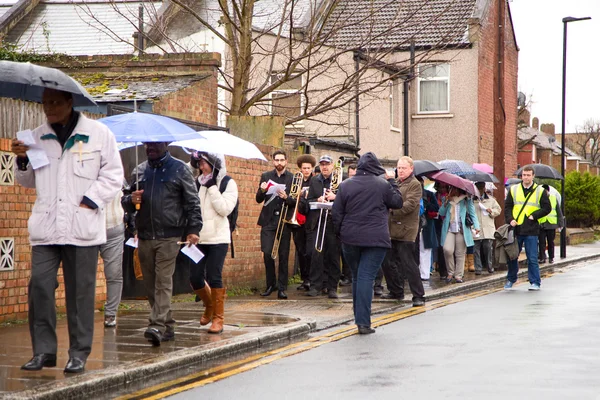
<point x="269" y="220"/>
<point x="306" y="163"/>
<point x="325" y="263"/>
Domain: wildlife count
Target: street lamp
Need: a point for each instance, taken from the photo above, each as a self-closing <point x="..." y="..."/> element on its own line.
<point x="563" y="232"/>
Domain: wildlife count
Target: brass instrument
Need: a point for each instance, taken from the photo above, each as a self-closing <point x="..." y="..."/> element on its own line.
<point x="336" y="180"/>
<point x="295" y="192"/>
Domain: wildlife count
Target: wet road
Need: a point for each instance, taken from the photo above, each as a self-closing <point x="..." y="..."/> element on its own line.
<point x="517" y="344"/>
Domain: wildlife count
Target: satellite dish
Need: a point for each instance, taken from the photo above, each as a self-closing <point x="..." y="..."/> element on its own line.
<point x="521" y="99"/>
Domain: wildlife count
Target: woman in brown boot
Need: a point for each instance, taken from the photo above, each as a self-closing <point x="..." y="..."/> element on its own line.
<point x="218" y="197"/>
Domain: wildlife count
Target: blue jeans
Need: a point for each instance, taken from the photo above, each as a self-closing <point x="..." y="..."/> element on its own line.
<point x="364" y="263"/>
<point x="533" y="268"/>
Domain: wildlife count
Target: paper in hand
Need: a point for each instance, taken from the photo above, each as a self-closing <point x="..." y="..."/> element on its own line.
<point x="483" y="209"/>
<point x="132" y="242"/>
<point x="37" y="155"/>
<point x="193" y="252"/>
<point x="274" y="187"/>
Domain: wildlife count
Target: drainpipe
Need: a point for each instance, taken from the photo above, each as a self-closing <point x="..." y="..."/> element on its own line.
<point x="406" y="87"/>
<point x="357" y="100"/>
<point x="141" y="30"/>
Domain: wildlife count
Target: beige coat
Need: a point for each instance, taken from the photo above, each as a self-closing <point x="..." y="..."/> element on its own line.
<point x="91" y="169"/>
<point x="486" y="222"/>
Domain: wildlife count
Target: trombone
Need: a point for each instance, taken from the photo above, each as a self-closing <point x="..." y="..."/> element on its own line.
<point x="336" y="179"/>
<point x="295" y="192"/>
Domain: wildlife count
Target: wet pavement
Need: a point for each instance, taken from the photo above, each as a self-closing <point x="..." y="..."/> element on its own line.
<point x="121" y="355"/>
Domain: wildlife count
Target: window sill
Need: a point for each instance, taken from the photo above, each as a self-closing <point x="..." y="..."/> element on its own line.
<point x="397" y="130"/>
<point x="441" y="115"/>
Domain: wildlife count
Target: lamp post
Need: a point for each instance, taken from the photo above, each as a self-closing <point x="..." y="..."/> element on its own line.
<point x="563" y="232"/>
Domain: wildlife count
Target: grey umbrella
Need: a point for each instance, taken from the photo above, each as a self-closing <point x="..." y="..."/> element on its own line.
<point x="422" y="167"/>
<point x="542" y="171"/>
<point x="26" y="81"/>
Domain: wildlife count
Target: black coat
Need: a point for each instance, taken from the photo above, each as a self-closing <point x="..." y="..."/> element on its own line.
<point x="170" y="204"/>
<point x="361" y="207"/>
<point x="315" y="190"/>
<point x="269" y="214"/>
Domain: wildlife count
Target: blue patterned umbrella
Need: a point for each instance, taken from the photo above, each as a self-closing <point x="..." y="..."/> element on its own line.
<point x="458" y="167"/>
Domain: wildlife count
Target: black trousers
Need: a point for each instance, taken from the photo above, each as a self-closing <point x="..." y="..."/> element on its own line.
<point x="378" y="279"/>
<point x="210" y="268"/>
<point x="325" y="265"/>
<point x="400" y="261"/>
<point x="546" y="236"/>
<point x="79" y="266"/>
<point x="267" y="239"/>
<point x="299" y="234"/>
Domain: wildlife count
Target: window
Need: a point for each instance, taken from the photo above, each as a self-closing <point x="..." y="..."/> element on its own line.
<point x="286" y="101"/>
<point x="434" y="88"/>
<point x="394" y="100"/>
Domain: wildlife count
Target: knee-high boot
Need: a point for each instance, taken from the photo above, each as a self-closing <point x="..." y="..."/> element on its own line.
<point x="205" y="295"/>
<point x="470" y="262"/>
<point x="218" y="298"/>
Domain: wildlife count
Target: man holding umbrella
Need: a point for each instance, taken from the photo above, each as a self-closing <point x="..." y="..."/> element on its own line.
<point x="67" y="224"/>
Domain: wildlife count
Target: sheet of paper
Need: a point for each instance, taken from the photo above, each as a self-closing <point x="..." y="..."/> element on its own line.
<point x="483" y="209"/>
<point x="37" y="156"/>
<point x="193" y="252"/>
<point x="132" y="242"/>
<point x="273" y="187"/>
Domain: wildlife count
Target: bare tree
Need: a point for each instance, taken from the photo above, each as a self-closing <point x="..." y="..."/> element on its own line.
<point x="309" y="59"/>
<point x="586" y="141"/>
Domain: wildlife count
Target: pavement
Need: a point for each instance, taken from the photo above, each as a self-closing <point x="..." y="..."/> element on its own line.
<point x="121" y="357"/>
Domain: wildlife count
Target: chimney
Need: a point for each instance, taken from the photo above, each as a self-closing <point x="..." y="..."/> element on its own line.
<point x="535" y="123"/>
<point x="548" y="128"/>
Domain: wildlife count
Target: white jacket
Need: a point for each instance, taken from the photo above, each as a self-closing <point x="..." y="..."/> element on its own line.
<point x="91" y="169"/>
<point x="215" y="209"/>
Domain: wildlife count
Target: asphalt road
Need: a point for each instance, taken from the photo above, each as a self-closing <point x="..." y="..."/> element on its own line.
<point x="516" y="345"/>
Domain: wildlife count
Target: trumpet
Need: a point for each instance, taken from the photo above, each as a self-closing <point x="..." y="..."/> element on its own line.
<point x="336" y="179"/>
<point x="295" y="192"/>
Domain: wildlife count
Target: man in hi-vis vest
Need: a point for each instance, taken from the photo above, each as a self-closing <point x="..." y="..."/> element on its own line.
<point x="525" y="204"/>
<point x="548" y="226"/>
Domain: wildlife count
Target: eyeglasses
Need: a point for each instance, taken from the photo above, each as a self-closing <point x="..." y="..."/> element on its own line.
<point x="280" y="160"/>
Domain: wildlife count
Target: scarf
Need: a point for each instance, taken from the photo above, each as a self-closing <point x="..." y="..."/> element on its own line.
<point x="454" y="201"/>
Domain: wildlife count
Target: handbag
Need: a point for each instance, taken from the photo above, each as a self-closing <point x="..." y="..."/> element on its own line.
<point x="468" y="220"/>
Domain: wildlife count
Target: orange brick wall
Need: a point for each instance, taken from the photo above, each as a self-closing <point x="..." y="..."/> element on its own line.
<point x="15" y="206"/>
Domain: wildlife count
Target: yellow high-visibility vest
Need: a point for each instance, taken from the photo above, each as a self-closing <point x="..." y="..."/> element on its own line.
<point x="551" y="218"/>
<point x="519" y="201"/>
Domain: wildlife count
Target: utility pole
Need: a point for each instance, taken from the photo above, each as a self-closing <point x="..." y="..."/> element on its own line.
<point x="499" y="114"/>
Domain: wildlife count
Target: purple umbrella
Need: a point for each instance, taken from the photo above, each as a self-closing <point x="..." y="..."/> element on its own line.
<point x="456" y="181"/>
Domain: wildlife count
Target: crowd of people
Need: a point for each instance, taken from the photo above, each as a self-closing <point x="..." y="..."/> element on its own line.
<point x="348" y="230"/>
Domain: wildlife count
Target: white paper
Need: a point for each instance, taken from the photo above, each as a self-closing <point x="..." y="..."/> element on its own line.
<point x="483" y="209"/>
<point x="193" y="252"/>
<point x="37" y="155"/>
<point x="273" y="187"/>
<point x="133" y="242"/>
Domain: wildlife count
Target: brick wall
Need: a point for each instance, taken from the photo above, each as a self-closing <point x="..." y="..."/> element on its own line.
<point x="15" y="206"/>
<point x="487" y="61"/>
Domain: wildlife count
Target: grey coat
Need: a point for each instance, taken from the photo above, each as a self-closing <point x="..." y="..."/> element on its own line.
<point x="507" y="247"/>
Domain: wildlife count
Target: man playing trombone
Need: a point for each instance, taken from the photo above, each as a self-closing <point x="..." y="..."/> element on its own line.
<point x="321" y="239"/>
<point x="269" y="220"/>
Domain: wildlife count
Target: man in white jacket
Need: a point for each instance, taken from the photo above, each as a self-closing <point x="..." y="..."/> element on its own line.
<point x="67" y="224"/>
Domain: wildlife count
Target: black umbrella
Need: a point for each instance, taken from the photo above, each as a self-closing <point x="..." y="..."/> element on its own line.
<point x="512" y="181"/>
<point x="482" y="177"/>
<point x="423" y="167"/>
<point x="542" y="171"/>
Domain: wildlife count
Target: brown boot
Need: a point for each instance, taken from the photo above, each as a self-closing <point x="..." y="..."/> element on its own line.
<point x="205" y="295"/>
<point x="471" y="262"/>
<point x="218" y="298"/>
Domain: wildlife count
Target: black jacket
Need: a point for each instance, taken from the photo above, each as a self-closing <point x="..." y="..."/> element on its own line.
<point x="170" y="204"/>
<point x="529" y="227"/>
<point x="362" y="203"/>
<point x="315" y="190"/>
<point x="269" y="214"/>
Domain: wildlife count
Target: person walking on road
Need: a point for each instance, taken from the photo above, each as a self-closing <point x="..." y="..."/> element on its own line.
<point x="169" y="211"/>
<point x="400" y="259"/>
<point x="215" y="236"/>
<point x="486" y="208"/>
<point x="360" y="218"/>
<point x="525" y="204"/>
<point x="548" y="226"/>
<point x="67" y="224"/>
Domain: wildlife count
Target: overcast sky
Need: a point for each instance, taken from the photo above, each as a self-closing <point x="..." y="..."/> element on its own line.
<point x="539" y="31"/>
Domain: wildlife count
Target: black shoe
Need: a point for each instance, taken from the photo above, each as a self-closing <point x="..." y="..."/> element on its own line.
<point x="305" y="286"/>
<point x="268" y="292"/>
<point x="477" y="272"/>
<point x="324" y="291"/>
<point x="282" y="295"/>
<point x="377" y="291"/>
<point x="418" y="302"/>
<point x="154" y="336"/>
<point x="491" y="270"/>
<point x="542" y="261"/>
<point x="346" y="282"/>
<point x="551" y="261"/>
<point x="391" y="296"/>
<point x="443" y="278"/>
<point x="365" y="330"/>
<point x="312" y="292"/>
<point x="40" y="361"/>
<point x="75" y="365"/>
<point x="332" y="294"/>
<point x="169" y="334"/>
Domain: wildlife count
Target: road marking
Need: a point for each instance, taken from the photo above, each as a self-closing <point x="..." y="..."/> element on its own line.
<point x="221" y="372"/>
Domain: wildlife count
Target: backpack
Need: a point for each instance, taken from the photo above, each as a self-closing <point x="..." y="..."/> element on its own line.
<point x="233" y="216"/>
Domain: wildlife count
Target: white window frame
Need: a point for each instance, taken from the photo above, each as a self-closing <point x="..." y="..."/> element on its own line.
<point x="394" y="104"/>
<point x="292" y="91"/>
<point x="420" y="79"/>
